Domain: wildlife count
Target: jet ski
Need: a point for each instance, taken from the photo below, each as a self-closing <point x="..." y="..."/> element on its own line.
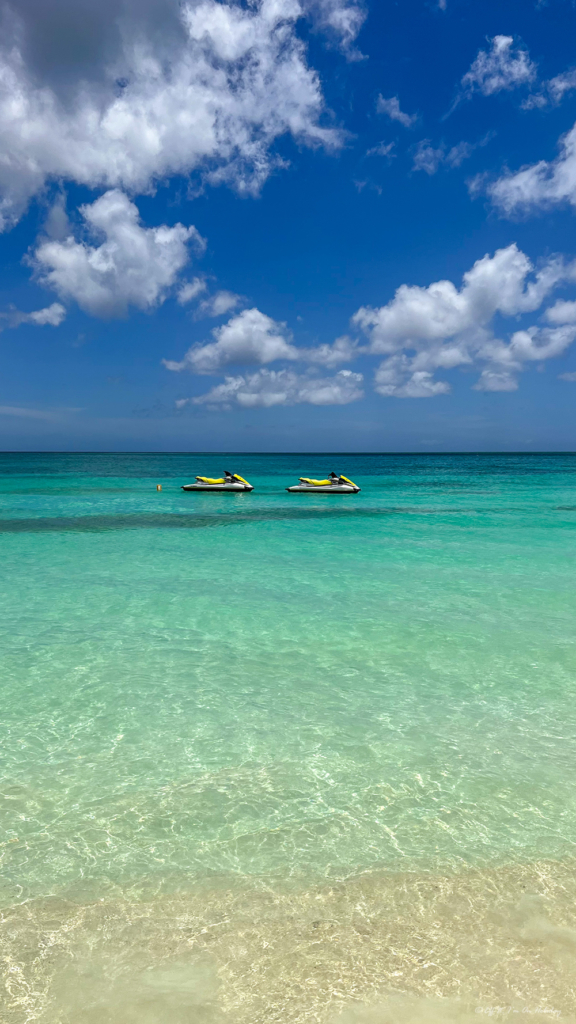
<point x="334" y="484"/>
<point x="228" y="482"/>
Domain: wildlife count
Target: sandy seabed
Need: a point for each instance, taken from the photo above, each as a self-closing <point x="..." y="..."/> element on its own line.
<point x="378" y="948"/>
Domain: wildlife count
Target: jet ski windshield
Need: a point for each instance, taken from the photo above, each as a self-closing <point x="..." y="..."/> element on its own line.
<point x="236" y="478"/>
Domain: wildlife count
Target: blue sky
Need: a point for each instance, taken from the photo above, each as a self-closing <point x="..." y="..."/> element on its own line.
<point x="288" y="225"/>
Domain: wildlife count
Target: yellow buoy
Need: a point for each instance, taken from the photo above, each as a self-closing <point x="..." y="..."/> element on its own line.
<point x="158" y="487"/>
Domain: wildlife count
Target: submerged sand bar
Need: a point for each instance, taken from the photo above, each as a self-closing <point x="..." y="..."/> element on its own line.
<point x="382" y="947"/>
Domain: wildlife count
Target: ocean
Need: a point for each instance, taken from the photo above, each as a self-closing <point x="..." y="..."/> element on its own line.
<point x="273" y="757"/>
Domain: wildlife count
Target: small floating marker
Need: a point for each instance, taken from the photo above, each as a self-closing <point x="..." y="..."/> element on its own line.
<point x="158" y="487"/>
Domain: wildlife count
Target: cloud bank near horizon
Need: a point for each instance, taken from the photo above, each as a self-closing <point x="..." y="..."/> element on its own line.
<point x="421" y="331"/>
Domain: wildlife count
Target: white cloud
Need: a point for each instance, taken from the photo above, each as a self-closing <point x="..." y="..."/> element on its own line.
<point x="395" y="377"/>
<point x="341" y="20"/>
<point x="282" y="387"/>
<point x="504" y="66"/>
<point x="539" y="185"/>
<point x="191" y="290"/>
<point x="249" y="337"/>
<point x="391" y="107"/>
<point x="158" y="90"/>
<point x="557" y="87"/>
<point x="493" y="380"/>
<point x="51" y="315"/>
<point x="343" y="350"/>
<point x="422" y="330"/>
<point x="15" y="410"/>
<point x="133" y="266"/>
<point x="552" y="92"/>
<point x="382" y="149"/>
<point x="531" y="345"/>
<point x="496" y="283"/>
<point x="561" y="312"/>
<point x="252" y="338"/>
<point x="460" y="152"/>
<point x="567" y="376"/>
<point x="35" y="414"/>
<point x="428" y="159"/>
<point x="219" y="303"/>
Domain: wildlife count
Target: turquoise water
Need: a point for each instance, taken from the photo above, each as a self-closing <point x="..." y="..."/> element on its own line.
<point x="276" y="689"/>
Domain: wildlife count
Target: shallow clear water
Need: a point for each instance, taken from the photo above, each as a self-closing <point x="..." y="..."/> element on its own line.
<point x="206" y="695"/>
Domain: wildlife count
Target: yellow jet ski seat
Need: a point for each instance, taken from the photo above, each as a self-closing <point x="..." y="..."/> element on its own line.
<point x="228" y="479"/>
<point x="231" y="483"/>
<point x="315" y="483"/>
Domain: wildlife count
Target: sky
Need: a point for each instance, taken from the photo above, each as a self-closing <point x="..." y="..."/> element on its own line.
<point x="288" y="225"/>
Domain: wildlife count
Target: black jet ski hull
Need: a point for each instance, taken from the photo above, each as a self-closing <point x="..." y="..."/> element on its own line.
<point x="329" y="489"/>
<point x="221" y="488"/>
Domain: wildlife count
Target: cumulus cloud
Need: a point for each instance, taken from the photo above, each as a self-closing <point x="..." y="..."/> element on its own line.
<point x="282" y="387"/>
<point x="422" y="330"/>
<point x="539" y="185"/>
<point x="132" y="266"/>
<point x="396" y="377"/>
<point x="507" y="359"/>
<point x="121" y="95"/>
<point x="51" y="315"/>
<point x="498" y="283"/>
<point x="535" y="343"/>
<point x="503" y="67"/>
<point x="391" y="107"/>
<point x="496" y="380"/>
<point x="252" y="338"/>
<point x="190" y="290"/>
<point x="219" y="303"/>
<point x="562" y="312"/>
<point x="343" y="350"/>
<point x="552" y="92"/>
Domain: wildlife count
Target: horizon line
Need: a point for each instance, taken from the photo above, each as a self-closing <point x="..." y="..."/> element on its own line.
<point x="31" y="451"/>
